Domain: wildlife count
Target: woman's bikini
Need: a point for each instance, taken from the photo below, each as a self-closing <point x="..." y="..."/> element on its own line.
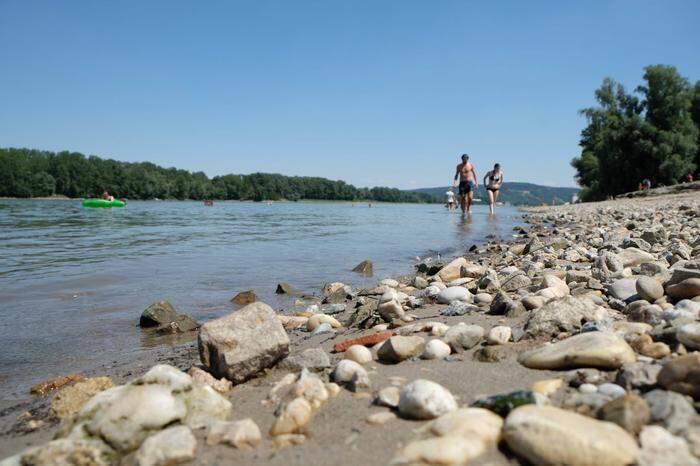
<point x="493" y="180"/>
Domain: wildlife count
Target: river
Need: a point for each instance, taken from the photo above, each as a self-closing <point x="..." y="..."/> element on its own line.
<point x="74" y="281"/>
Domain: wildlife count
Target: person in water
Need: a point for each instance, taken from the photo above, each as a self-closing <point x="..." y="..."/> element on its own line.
<point x="467" y="183"/>
<point x="107" y="197"/>
<point x="493" y="181"/>
<point x="450" y="199"/>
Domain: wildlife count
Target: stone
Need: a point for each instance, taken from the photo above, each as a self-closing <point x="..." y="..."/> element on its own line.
<point x="563" y="315"/>
<point x="65" y="452"/>
<point x="533" y="302"/>
<point x="500" y="303"/>
<point x="358" y="353"/>
<point x="390" y="282"/>
<point x="244" y="298"/>
<point x="645" y="346"/>
<point x="240" y="345"/>
<point x="346" y="370"/>
<point x="670" y="409"/>
<point x="661" y="448"/>
<point x="515" y="281"/>
<point x="293" y="417"/>
<point x="182" y="323"/>
<point x="365" y="340"/>
<point x="330" y="288"/>
<point x="453" y="270"/>
<point x="591" y="349"/>
<point x="623" y="289"/>
<point x="71" y="399"/>
<point x="436" y="349"/>
<point x="321" y="328"/>
<point x="445" y="451"/>
<point x="313" y="359"/>
<point x="686" y="289"/>
<point x="458" y="308"/>
<point x="380" y="418"/>
<point x="649" y="288"/>
<point x="284" y="288"/>
<point x="632" y="257"/>
<point x="547" y="387"/>
<point x="42" y="388"/>
<point x="318" y="319"/>
<point x="424" y="399"/>
<point x="499" y="335"/>
<point x="469" y="423"/>
<point x="399" y="348"/>
<point x="493" y="353"/>
<point x="483" y="298"/>
<point x="552" y="281"/>
<point x="365" y="268"/>
<point x="454" y="293"/>
<point x="463" y="336"/>
<point x="503" y="404"/>
<point x="244" y="434"/>
<point x="203" y="377"/>
<point x="168" y="447"/>
<point x="420" y="283"/>
<point x="390" y="308"/>
<point x="631" y="412"/>
<point x="638" y="375"/>
<point x="549" y="435"/>
<point x="205" y="406"/>
<point x="388" y="396"/>
<point x="157" y="314"/>
<point x="682" y="375"/>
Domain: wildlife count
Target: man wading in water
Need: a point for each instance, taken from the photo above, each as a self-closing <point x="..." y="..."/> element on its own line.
<point x="467" y="183"/>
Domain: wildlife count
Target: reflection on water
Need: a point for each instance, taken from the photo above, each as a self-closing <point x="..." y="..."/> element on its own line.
<point x="74" y="281"/>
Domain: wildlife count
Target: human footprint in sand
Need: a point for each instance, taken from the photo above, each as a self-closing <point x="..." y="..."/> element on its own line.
<point x="493" y="181"/>
<point x="467" y="183"/>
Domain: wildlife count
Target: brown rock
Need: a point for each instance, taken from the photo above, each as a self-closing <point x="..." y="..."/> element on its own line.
<point x="366" y="340"/>
<point x="284" y="288"/>
<point x="53" y="384"/>
<point x="686" y="289"/>
<point x="631" y="412"/>
<point x="492" y="353"/>
<point x="364" y="267"/>
<point x="70" y="399"/>
<point x="244" y="297"/>
<point x="682" y="375"/>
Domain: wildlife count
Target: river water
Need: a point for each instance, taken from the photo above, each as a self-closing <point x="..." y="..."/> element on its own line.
<point x="73" y="281"/>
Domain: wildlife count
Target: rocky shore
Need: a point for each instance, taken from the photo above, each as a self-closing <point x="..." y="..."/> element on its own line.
<point x="572" y="343"/>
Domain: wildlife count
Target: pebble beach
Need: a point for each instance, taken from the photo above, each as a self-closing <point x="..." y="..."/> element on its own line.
<point x="575" y="342"/>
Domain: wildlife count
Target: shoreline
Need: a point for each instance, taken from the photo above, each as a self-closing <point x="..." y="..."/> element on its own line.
<point x="338" y="432"/>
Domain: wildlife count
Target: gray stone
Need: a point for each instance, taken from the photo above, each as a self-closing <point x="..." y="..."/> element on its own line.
<point x="157" y="314"/>
<point x="313" y="359"/>
<point x="563" y="315"/>
<point x="424" y="399"/>
<point x="399" y="348"/>
<point x="638" y="375"/>
<point x="623" y="289"/>
<point x="592" y="349"/>
<point x="649" y="289"/>
<point x="670" y="409"/>
<point x="463" y="336"/>
<point x="241" y="344"/>
<point x="454" y="293"/>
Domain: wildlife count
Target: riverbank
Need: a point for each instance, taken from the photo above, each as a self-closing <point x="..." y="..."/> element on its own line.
<point x="604" y="283"/>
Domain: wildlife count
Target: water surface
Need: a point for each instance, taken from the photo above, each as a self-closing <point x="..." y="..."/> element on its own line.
<point x="74" y="281"/>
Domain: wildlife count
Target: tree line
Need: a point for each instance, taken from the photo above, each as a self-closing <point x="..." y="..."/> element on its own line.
<point x="651" y="134"/>
<point x="34" y="173"/>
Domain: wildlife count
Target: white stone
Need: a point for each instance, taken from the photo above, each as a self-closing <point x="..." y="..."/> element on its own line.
<point x="295" y="415"/>
<point x="661" y="448"/>
<point x="499" y="335"/>
<point x="446" y="451"/>
<point x="472" y="423"/>
<point x="436" y="349"/>
<point x="170" y="446"/>
<point x="423" y="399"/>
<point x="243" y="434"/>
<point x="454" y="293"/>
<point x="591" y="349"/>
<point x="358" y="353"/>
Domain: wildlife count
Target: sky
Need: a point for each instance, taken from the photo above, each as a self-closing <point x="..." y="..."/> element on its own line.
<point x="373" y="92"/>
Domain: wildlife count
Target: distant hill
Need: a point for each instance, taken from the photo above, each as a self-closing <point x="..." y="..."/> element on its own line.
<point x="515" y="193"/>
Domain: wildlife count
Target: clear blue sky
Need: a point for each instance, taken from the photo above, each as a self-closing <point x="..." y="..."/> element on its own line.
<point x="373" y="92"/>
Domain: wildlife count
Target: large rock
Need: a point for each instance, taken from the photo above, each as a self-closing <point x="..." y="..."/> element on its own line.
<point x="632" y="257"/>
<point x="624" y="288"/>
<point x="157" y="314"/>
<point x="423" y="399"/>
<point x="661" y="448"/>
<point x="454" y="293"/>
<point x="399" y="348"/>
<point x="649" y="288"/>
<point x="682" y="375"/>
<point x="563" y="315"/>
<point x="453" y="270"/>
<point x="591" y="349"/>
<point x="171" y="446"/>
<point x="546" y="435"/>
<point x="241" y="344"/>
<point x="462" y="336"/>
<point x="689" y="335"/>
<point x="71" y="399"/>
<point x="686" y="289"/>
<point x="670" y="409"/>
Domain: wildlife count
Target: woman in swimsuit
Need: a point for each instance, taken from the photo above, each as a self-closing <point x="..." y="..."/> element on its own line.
<point x="493" y="181"/>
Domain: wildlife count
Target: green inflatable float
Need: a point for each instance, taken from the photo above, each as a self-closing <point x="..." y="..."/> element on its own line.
<point x="103" y="203"/>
